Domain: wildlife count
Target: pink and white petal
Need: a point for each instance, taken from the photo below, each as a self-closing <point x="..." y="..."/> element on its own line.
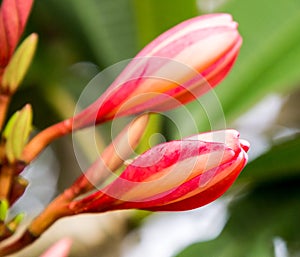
<point x="13" y="18"/>
<point x="187" y="27"/>
<point x="159" y="169"/>
<point x="205" y="196"/>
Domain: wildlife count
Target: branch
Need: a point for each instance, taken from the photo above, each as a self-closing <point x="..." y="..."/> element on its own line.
<point x="45" y="137"/>
<point x="57" y="209"/>
<point x="4" y="103"/>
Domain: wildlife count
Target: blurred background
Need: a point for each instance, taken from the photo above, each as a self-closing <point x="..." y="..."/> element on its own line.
<point x="259" y="216"/>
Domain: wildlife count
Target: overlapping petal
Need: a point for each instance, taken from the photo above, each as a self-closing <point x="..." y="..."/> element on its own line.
<point x="173" y="176"/>
<point x="175" y="68"/>
<point x="13" y="18"/>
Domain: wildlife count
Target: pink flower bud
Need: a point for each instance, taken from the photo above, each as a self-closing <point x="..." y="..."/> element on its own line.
<point x="13" y="18"/>
<point x="174" y="176"/>
<point x="175" y="68"/>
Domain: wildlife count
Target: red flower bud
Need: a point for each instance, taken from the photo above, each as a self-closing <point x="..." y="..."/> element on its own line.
<point x="177" y="67"/>
<point x="174" y="176"/>
<point x="13" y="18"/>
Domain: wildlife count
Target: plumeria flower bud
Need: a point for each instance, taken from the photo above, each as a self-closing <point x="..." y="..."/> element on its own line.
<point x="13" y="18"/>
<point x="16" y="133"/>
<point x="177" y="67"/>
<point x="174" y="176"/>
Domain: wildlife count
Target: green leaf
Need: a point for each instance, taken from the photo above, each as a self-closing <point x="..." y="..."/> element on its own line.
<point x="19" y="64"/>
<point x="106" y="27"/>
<point x="148" y="139"/>
<point x="17" y="132"/>
<point x="154" y="16"/>
<point x="280" y="162"/>
<point x="270" y="55"/>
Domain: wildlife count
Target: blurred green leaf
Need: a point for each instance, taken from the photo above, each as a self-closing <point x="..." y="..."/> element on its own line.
<point x="256" y="220"/>
<point x="147" y="141"/>
<point x="107" y="27"/>
<point x="72" y="31"/>
<point x="280" y="162"/>
<point x="268" y="61"/>
<point x="154" y="16"/>
<point x="270" y="56"/>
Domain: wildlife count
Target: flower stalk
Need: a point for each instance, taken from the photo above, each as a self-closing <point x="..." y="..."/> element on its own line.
<point x="111" y="159"/>
<point x="45" y="137"/>
<point x="6" y="177"/>
<point x="4" y="103"/>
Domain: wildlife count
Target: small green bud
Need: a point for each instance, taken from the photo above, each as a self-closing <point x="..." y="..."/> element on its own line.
<point x="4" y="206"/>
<point x="16" y="69"/>
<point x="17" y="132"/>
<point x="15" y="222"/>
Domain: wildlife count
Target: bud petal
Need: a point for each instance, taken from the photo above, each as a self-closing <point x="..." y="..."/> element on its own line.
<point x="17" y="132"/>
<point x="13" y="18"/>
<point x="177" y="67"/>
<point x="178" y="175"/>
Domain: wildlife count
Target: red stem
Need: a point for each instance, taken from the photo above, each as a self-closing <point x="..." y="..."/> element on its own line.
<point x="6" y="177"/>
<point x="4" y="102"/>
<point x="45" y="137"/>
<point x="57" y="209"/>
<point x="26" y="239"/>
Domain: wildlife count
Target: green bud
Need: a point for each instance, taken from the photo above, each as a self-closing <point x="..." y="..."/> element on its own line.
<point x="17" y="132"/>
<point x="16" y="69"/>
<point x="4" y="206"/>
<point x="15" y="222"/>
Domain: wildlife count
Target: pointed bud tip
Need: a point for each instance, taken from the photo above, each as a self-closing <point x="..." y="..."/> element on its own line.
<point x="4" y="206"/>
<point x="244" y="144"/>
